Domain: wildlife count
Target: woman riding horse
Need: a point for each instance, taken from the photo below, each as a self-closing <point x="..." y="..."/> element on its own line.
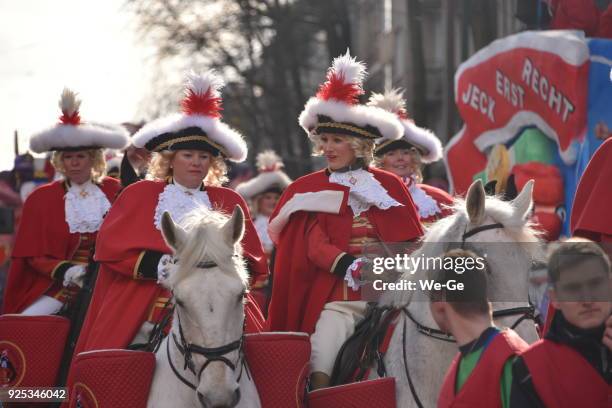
<point x="189" y="150"/>
<point x="324" y="220"/>
<point x="60" y="220"/>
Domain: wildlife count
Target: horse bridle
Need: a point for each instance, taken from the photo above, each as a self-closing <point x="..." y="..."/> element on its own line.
<point x="526" y="312"/>
<point x="211" y="354"/>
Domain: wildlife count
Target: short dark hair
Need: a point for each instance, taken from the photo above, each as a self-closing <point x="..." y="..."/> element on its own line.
<point x="472" y="300"/>
<point x="574" y="252"/>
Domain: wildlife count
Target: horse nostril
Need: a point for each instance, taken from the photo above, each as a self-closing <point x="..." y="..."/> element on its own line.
<point x="203" y="400"/>
<point x="236" y="398"/>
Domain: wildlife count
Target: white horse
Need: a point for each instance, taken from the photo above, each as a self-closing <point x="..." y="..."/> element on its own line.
<point x="200" y="363"/>
<point x="483" y="224"/>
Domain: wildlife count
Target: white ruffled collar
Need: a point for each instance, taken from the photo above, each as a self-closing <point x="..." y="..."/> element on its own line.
<point x="179" y="201"/>
<point x="85" y="206"/>
<point x="427" y="205"/>
<point x="364" y="190"/>
<point x="261" y="226"/>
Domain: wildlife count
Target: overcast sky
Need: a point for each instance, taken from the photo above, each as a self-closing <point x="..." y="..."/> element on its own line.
<point x="88" y="45"/>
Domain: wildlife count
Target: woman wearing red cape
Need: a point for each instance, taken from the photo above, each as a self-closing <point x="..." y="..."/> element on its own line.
<point x="60" y="220"/>
<point x="324" y="220"/>
<point x="188" y="166"/>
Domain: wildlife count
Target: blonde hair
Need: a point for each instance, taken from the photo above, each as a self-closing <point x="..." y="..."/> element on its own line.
<point x="416" y="162"/>
<point x="363" y="148"/>
<point x="98" y="169"/>
<point x="160" y="168"/>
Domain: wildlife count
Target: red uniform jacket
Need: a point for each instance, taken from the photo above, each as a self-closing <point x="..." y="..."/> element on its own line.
<point x="443" y="199"/>
<point x="43" y="245"/>
<point x="591" y="216"/>
<point x="122" y="296"/>
<point x="309" y="244"/>
<point x="482" y="388"/>
<point x="563" y="378"/>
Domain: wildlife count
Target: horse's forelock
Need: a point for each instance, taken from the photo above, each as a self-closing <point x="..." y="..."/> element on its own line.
<point x="205" y="242"/>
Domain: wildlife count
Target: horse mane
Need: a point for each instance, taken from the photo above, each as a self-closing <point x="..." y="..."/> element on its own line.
<point x="451" y="228"/>
<point x="205" y="243"/>
<point x="443" y="234"/>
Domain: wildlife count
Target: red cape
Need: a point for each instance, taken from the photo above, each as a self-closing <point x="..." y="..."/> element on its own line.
<point x="591" y="212"/>
<point x="43" y="232"/>
<point x="300" y="289"/>
<point x="564" y="378"/>
<point x="481" y="389"/>
<point x="120" y="304"/>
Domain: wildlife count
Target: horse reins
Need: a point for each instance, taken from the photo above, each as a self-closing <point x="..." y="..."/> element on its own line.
<point x="212" y="354"/>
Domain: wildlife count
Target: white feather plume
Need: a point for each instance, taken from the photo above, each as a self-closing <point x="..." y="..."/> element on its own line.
<point x="69" y="102"/>
<point x="199" y="83"/>
<point x="392" y="101"/>
<point x="349" y="68"/>
<point x="268" y="160"/>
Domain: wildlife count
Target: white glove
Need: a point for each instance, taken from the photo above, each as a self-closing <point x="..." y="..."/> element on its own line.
<point x="75" y="275"/>
<point x="353" y="274"/>
<point x="164" y="267"/>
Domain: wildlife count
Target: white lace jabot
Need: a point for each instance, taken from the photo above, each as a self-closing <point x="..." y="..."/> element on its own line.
<point x="179" y="201"/>
<point x="426" y="205"/>
<point x="364" y="190"/>
<point x="85" y="206"/>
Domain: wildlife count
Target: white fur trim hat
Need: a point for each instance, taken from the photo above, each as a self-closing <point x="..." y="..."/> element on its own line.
<point x="336" y="108"/>
<point x="198" y="126"/>
<point x="270" y="177"/>
<point x="413" y="136"/>
<point x="73" y="134"/>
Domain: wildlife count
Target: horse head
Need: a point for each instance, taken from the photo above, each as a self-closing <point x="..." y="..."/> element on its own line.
<point x="493" y="228"/>
<point x="501" y="231"/>
<point x="209" y="283"/>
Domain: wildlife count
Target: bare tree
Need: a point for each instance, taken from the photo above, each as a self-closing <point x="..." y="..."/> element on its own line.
<point x="267" y="50"/>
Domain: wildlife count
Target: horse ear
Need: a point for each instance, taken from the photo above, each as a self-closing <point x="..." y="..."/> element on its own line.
<point x="475" y="202"/>
<point x="173" y="234"/>
<point x="523" y="202"/>
<point x="490" y="187"/>
<point x="233" y="230"/>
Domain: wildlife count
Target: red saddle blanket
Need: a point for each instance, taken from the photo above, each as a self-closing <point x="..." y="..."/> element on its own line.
<point x="379" y="393"/>
<point x="31" y="349"/>
<point x="111" y="378"/>
<point x="279" y="364"/>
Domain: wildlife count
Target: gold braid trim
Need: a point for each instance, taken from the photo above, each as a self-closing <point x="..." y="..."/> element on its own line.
<point x="384" y="144"/>
<point x="344" y="126"/>
<point x="340" y="255"/>
<point x="135" y="274"/>
<point x="199" y="138"/>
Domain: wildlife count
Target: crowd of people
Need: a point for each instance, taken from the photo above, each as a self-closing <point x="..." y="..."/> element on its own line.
<point x="303" y="243"/>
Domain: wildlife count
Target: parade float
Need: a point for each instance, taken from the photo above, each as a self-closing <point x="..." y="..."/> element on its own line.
<point x="535" y="105"/>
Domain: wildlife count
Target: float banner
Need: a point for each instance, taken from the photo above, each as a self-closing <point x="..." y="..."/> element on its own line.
<point x="528" y="79"/>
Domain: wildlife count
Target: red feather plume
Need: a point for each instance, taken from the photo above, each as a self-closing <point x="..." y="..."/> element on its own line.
<point x="336" y="88"/>
<point x="202" y="94"/>
<point x="69" y="104"/>
<point x="198" y="104"/>
<point x="70" y="119"/>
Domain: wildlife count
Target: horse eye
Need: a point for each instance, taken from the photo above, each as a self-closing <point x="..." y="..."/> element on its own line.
<point x="241" y="297"/>
<point x="179" y="302"/>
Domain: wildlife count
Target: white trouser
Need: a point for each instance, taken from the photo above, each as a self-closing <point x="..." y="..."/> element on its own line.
<point x="44" y="305"/>
<point x="335" y="325"/>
